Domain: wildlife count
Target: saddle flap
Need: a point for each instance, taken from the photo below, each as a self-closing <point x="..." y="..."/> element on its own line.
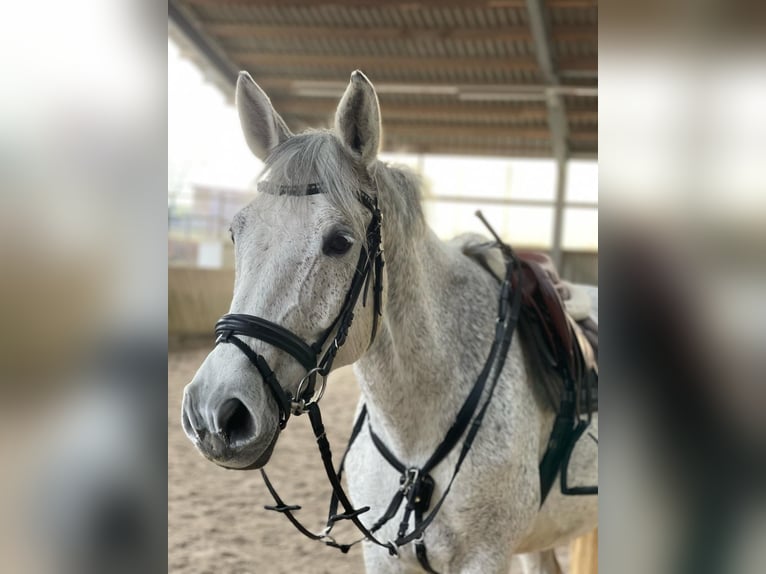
<point x="563" y="344"/>
<point x="541" y="300"/>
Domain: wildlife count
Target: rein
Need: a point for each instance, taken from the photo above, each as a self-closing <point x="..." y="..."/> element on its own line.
<point x="416" y="485"/>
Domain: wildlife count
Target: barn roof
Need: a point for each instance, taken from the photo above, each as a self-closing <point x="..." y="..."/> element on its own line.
<point x="477" y="77"/>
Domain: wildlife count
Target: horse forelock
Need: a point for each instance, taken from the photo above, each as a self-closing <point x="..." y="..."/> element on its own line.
<point x="319" y="157"/>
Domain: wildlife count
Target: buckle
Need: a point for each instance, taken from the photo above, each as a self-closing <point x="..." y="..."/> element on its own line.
<point x="298" y="407"/>
<point x="325" y="537"/>
<point x="408" y="479"/>
<point x="223" y="337"/>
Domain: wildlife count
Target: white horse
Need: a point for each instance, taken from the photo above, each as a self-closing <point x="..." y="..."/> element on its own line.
<point x="295" y="257"/>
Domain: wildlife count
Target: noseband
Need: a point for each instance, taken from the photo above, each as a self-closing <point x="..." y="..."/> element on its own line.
<point x="369" y="269"/>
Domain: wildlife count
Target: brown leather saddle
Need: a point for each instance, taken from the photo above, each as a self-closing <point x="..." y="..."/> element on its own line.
<point x="568" y="347"/>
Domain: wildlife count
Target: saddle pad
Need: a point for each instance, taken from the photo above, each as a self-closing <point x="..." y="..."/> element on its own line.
<point x="577" y="305"/>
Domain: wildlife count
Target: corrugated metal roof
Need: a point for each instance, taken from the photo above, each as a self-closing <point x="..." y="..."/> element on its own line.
<point x="453" y="76"/>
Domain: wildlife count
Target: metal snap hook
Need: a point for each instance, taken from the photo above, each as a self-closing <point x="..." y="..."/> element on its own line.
<point x="408" y="479"/>
<point x="298" y="407"/>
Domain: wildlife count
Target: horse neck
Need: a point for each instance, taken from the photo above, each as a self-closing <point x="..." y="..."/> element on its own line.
<point x="436" y="327"/>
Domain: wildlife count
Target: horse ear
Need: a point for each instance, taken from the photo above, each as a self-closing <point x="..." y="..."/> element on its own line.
<point x="357" y="120"/>
<point x="264" y="129"/>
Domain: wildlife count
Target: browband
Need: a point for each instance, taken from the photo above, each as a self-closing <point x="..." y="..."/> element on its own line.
<point x="296" y="190"/>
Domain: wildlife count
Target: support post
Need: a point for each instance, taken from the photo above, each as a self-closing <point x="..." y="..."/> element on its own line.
<point x="557" y="120"/>
<point x="558" y="215"/>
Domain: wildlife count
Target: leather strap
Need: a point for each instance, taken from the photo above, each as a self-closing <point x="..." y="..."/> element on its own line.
<point x="508" y="314"/>
<point x="350" y="513"/>
<point x="507" y="320"/>
<point x="268" y="376"/>
<point x="268" y="332"/>
<point x="420" y="548"/>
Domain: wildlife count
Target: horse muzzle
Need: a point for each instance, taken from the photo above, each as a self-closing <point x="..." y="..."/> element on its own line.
<point x="228" y="435"/>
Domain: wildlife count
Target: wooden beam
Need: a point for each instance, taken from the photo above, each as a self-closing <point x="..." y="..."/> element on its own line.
<point x="319" y="107"/>
<point x="569" y="32"/>
<point x="472" y="130"/>
<point x="440" y="130"/>
<point x="331" y="88"/>
<point x="560" y="32"/>
<point x="222" y="65"/>
<point x="351" y="62"/>
<point x="582" y="115"/>
<point x="405" y="146"/>
<point x="557" y="121"/>
<point x="507" y="201"/>
<point x="320" y="114"/>
<point x="232" y="30"/>
<point x="583" y="136"/>
<point x="402" y="4"/>
<point x="584" y="63"/>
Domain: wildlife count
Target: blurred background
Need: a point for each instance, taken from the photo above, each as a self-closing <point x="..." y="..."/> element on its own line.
<point x="90" y="244"/>
<point x="83" y="312"/>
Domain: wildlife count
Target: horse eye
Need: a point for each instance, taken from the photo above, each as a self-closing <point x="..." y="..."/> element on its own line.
<point x="231" y="234"/>
<point x="337" y="244"/>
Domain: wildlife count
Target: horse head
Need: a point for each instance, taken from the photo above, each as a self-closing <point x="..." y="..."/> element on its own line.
<point x="296" y="255"/>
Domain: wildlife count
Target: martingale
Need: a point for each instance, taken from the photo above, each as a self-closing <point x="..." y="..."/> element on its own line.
<point x="416" y="484"/>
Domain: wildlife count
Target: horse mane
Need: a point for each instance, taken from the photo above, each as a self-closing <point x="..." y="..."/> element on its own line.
<point x="400" y="188"/>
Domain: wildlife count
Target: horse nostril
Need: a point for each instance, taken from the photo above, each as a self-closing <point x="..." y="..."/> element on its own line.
<point x="190" y="420"/>
<point x="235" y="422"/>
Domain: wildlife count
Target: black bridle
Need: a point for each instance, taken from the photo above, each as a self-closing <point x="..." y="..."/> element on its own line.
<point x="369" y="269"/>
<point x="416" y="484"/>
